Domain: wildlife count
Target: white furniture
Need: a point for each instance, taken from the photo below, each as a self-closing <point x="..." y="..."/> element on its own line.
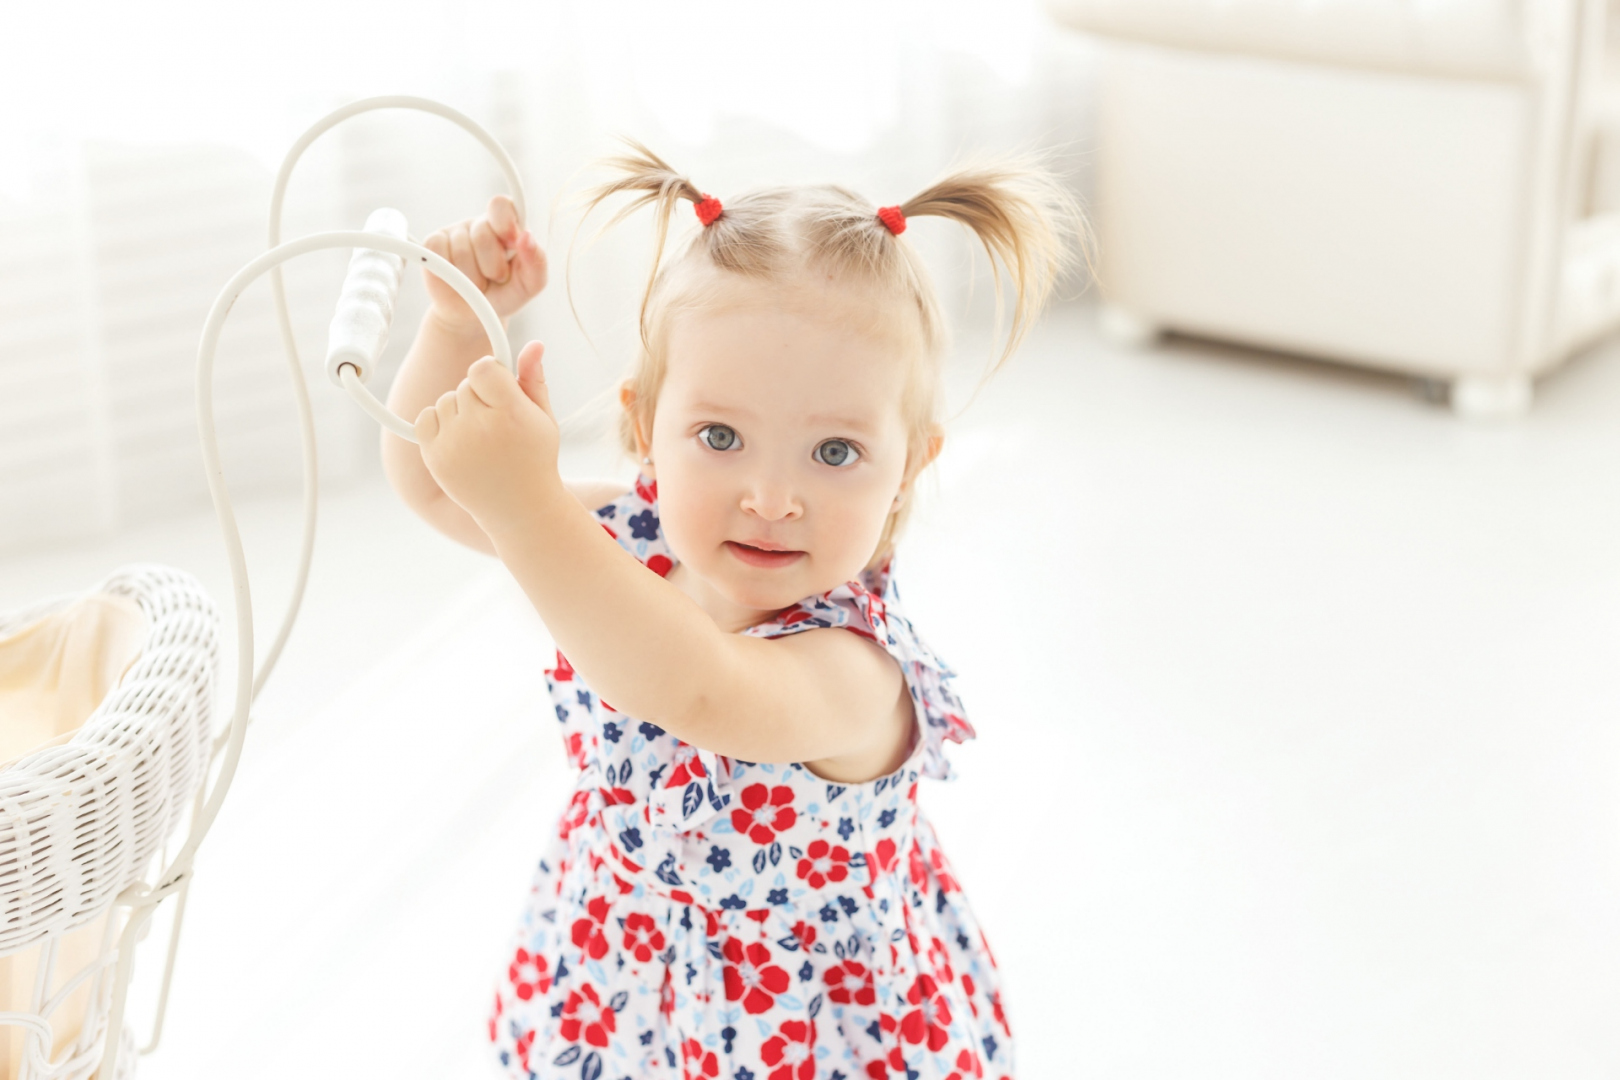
<point x="1399" y="185"/>
<point x="106" y="702"/>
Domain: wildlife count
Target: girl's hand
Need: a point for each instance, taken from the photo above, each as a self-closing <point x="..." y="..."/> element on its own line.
<point x="491" y="443"/>
<point x="501" y="258"/>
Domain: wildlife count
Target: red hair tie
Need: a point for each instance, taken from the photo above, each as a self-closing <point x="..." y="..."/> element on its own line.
<point x="892" y="219"/>
<point x="708" y="208"/>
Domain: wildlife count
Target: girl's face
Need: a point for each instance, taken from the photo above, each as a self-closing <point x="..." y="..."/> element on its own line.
<point x="778" y="443"/>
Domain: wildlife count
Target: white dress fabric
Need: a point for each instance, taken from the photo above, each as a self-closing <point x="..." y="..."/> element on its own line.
<point x="703" y="917"/>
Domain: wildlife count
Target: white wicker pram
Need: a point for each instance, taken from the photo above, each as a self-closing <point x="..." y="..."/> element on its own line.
<point x="84" y="818"/>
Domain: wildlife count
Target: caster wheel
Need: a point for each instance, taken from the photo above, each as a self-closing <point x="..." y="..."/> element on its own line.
<point x="1491" y="397"/>
<point x="1127" y="328"/>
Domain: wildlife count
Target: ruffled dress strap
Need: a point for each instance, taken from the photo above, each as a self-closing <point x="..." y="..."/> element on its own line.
<point x="870" y="607"/>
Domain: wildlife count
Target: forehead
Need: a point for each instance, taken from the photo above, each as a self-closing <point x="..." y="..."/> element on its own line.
<point x="811" y="348"/>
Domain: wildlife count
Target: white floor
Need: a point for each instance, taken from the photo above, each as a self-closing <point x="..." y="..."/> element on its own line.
<point x="1298" y="754"/>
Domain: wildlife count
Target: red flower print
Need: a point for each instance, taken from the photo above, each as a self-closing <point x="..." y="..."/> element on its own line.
<point x="824" y="862"/>
<point x="617" y="796"/>
<point x="750" y="975"/>
<point x="661" y="565"/>
<point x="528" y="975"/>
<point x="942" y="871"/>
<point x="648" y="490"/>
<point x="896" y="1062"/>
<point x="850" y="982"/>
<point x="685" y="766"/>
<point x="666" y="995"/>
<point x="884" y="853"/>
<point x="642" y="936"/>
<point x="564" y="671"/>
<point x="584" y="1012"/>
<point x="525" y="1041"/>
<point x="587" y="932"/>
<point x="574" y="749"/>
<point x="790" y="1051"/>
<point x="575" y="813"/>
<point x="805" y="933"/>
<point x="703" y="1063"/>
<point x="919" y="869"/>
<point x="930" y="1017"/>
<point x="1001" y="1017"/>
<point x="765" y="812"/>
<point x="494" y="1016"/>
<point x="967" y="1065"/>
<point x="939" y="959"/>
<point x="967" y="989"/>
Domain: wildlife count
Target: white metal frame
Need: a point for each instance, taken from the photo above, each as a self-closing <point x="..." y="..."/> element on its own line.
<point x="105" y="1058"/>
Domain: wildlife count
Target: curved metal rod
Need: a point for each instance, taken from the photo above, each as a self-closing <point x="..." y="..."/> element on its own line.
<point x="141" y="899"/>
<point x="306" y="421"/>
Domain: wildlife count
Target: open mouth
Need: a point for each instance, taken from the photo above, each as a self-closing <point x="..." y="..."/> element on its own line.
<point x="764" y="557"/>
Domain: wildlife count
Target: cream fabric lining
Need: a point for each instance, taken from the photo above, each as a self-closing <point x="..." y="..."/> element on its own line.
<point x="53" y="674"/>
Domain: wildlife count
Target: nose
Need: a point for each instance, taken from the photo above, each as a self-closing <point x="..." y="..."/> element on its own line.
<point x="771" y="498"/>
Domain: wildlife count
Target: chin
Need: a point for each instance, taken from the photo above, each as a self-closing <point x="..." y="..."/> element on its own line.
<point x="767" y="595"/>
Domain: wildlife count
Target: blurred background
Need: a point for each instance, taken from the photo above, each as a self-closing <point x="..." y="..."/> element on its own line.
<point x="1280" y="566"/>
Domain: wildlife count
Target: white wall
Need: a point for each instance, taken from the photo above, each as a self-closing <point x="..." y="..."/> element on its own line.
<point x="131" y="192"/>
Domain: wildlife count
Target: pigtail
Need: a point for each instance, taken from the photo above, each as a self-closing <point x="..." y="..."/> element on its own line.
<point x="651" y="179"/>
<point x="1031" y="228"/>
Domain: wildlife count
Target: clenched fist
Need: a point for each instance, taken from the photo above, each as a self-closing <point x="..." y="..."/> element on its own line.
<point x="500" y="257"/>
<point x="491" y="443"/>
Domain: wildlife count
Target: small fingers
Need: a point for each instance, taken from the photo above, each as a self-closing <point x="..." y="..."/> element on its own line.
<point x="490" y="381"/>
<point x="532" y="374"/>
<point x="503" y="219"/>
<point x="461" y="255"/>
<point x="490" y="253"/>
<point x="529" y="264"/>
<point x="427" y="425"/>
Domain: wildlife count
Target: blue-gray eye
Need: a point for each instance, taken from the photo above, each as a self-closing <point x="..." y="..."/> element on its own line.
<point x="836" y="452"/>
<point x="718" y="437"/>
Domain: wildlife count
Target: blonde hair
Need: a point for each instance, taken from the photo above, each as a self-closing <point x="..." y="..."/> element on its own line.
<point x="1029" y="225"/>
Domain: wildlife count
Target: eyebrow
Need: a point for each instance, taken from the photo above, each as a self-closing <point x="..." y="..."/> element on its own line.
<point x="846" y="423"/>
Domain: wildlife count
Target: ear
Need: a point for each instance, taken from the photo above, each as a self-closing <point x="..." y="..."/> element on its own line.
<point x="629" y="401"/>
<point x="936" y="443"/>
<point x="915" y="466"/>
<point x="930" y="451"/>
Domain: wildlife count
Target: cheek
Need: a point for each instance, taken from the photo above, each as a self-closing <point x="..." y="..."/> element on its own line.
<point x="692" y="503"/>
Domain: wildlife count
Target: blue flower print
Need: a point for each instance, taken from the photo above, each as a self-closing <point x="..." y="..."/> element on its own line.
<point x="644" y="526"/>
<point x="690" y="884"/>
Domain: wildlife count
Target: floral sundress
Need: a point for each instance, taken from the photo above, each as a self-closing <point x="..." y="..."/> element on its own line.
<point x="708" y="918"/>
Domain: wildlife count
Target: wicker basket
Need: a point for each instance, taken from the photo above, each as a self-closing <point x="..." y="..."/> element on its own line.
<point x="84" y="817"/>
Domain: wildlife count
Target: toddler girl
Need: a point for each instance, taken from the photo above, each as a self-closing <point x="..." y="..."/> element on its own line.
<point x="742" y="885"/>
